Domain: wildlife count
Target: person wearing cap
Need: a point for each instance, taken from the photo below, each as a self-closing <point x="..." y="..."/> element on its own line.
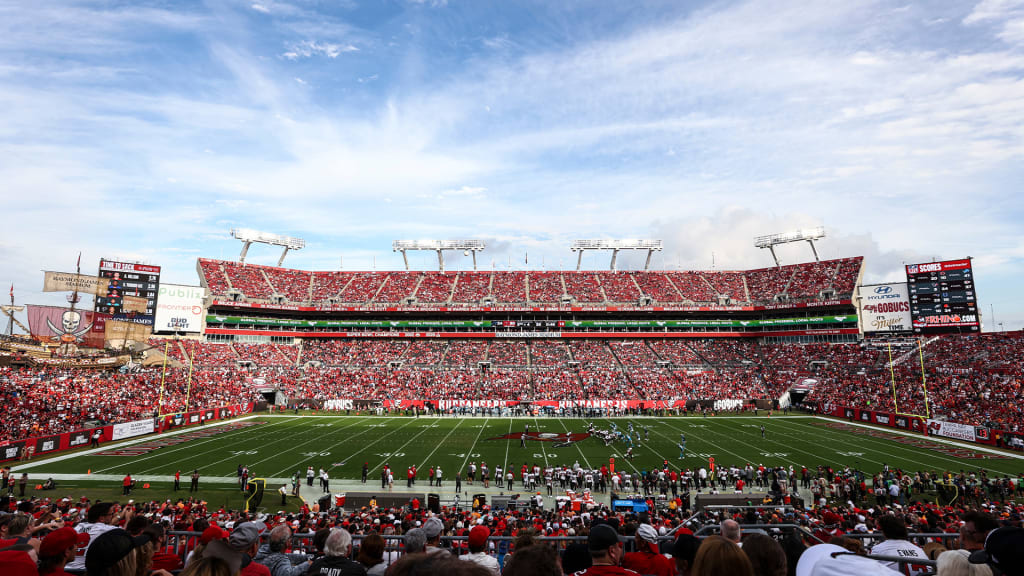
<point x="478" y="536"/>
<point x="58" y="549"/>
<point x="647" y="559"/>
<point x="335" y="561"/>
<point x="684" y="551"/>
<point x="117" y="553"/>
<point x="1004" y="551"/>
<point x="245" y="539"/>
<point x="432" y="529"/>
<point x="896" y="544"/>
<point x="605" y="552"/>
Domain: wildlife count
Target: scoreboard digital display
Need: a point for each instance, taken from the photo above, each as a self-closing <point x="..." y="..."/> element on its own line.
<point x="942" y="297"/>
<point x="128" y="279"/>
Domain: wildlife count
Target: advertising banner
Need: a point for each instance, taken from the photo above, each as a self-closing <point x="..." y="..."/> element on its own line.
<point x="60" y="325"/>
<point x="132" y="429"/>
<point x="70" y="282"/>
<point x="884" y="307"/>
<point x="179" y="308"/>
<point x="951" y="430"/>
<point x="47" y="444"/>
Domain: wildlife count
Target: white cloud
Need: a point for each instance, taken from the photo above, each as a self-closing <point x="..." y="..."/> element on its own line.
<point x="310" y="48"/>
<point x="260" y="8"/>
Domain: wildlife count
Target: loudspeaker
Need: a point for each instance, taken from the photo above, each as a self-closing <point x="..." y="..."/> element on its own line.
<point x="434" y="503"/>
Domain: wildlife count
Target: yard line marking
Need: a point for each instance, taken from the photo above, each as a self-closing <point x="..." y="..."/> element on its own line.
<point x="162" y="451"/>
<point x="375" y="442"/>
<point x="470" y="452"/>
<point x="739" y="458"/>
<point x="318" y="438"/>
<point x="385" y="460"/>
<point x="425" y="460"/>
<point x="576" y="444"/>
<point x="623" y="458"/>
<point x="893" y="445"/>
<point x="237" y="440"/>
<point x="131" y="442"/>
<point x="507" y="445"/>
<point x="544" y="450"/>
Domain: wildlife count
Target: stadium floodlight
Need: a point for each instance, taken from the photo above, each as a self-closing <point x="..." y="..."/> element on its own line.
<point x="248" y="236"/>
<point x="808" y="234"/>
<point x="467" y="246"/>
<point x="615" y="245"/>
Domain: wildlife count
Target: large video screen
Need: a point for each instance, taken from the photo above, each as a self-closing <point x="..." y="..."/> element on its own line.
<point x="942" y="297"/>
<point x="128" y="279"/>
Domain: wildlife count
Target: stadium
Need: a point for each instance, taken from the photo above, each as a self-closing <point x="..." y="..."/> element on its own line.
<point x="482" y="288"/>
<point x="668" y="391"/>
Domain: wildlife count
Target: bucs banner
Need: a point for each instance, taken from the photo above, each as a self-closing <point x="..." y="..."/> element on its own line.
<point x="59" y="325"/>
<point x="951" y="430"/>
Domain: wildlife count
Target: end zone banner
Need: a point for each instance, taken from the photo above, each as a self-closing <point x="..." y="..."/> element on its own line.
<point x="952" y="430"/>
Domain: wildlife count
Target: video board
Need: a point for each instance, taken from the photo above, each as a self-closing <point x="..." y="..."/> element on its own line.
<point x="132" y="280"/>
<point x="942" y="297"/>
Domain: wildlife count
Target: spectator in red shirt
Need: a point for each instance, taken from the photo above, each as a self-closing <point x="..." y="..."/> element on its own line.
<point x="647" y="559"/>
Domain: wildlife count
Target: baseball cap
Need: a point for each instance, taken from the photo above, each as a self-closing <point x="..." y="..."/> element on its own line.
<point x="245" y="535"/>
<point x="1004" y="549"/>
<point x="109" y="548"/>
<point x="433" y="527"/>
<point x="832" y="560"/>
<point x="58" y="541"/>
<point x="213" y="532"/>
<point x="18" y="563"/>
<point x="602" y="537"/>
<point x="478" y="536"/>
<point x="648" y="533"/>
<point x="222" y="550"/>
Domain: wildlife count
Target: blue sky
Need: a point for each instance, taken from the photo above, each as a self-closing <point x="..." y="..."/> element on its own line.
<point x="146" y="131"/>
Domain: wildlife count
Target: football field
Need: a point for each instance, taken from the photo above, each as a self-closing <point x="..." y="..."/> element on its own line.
<point x="276" y="446"/>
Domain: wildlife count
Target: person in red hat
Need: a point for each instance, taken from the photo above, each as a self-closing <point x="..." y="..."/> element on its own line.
<point x="478" y="549"/>
<point x="58" y="548"/>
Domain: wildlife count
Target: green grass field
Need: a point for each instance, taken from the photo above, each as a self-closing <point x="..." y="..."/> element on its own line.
<point x="276" y="446"/>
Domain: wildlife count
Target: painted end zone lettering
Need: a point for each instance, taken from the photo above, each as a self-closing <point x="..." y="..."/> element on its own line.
<point x="915" y="442"/>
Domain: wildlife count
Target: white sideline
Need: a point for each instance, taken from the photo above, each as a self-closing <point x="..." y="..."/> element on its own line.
<point x="132" y="442"/>
<point x="938" y="439"/>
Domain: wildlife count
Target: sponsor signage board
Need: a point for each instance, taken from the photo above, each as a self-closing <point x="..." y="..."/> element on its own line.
<point x="179" y="308"/>
<point x="132" y="429"/>
<point x="951" y="430"/>
<point x="884" y="308"/>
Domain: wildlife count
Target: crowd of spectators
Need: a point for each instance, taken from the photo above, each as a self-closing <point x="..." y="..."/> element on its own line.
<point x="799" y="282"/>
<point x="249" y="280"/>
<point x="846" y="531"/>
<point x="436" y="288"/>
<point x="585" y="287"/>
<point x="967" y="379"/>
<point x="294" y="285"/>
<point x="546" y="287"/>
<point x="618" y="286"/>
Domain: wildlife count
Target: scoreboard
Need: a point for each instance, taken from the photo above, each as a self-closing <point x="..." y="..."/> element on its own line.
<point x="128" y="279"/>
<point x="942" y="297"/>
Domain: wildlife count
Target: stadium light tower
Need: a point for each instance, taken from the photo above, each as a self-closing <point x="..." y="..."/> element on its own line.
<point x="772" y="240"/>
<point x="615" y="245"/>
<point x="248" y="236"/>
<point x="439" y="246"/>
